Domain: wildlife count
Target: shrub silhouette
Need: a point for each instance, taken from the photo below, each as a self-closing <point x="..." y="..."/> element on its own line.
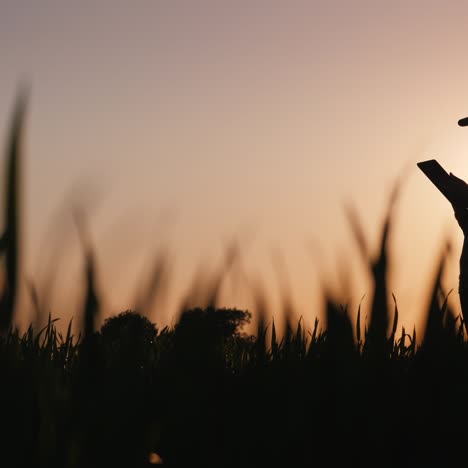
<point x="127" y="340"/>
<point x="211" y="323"/>
<point x="202" y="336"/>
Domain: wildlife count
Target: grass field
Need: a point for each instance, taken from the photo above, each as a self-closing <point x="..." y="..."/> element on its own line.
<point x="202" y="391"/>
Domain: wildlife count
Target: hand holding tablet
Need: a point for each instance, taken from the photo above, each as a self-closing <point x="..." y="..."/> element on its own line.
<point x="452" y="187"/>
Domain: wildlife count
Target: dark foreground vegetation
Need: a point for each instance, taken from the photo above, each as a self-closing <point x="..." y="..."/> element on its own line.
<point x="202" y="392"/>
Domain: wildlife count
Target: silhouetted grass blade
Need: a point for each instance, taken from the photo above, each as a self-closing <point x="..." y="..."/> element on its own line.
<point x="260" y="307"/>
<point x="435" y="320"/>
<point x="157" y="284"/>
<point x="91" y="302"/>
<point x="10" y="240"/>
<point x="340" y="338"/>
<point x="395" y="323"/>
<point x="274" y="343"/>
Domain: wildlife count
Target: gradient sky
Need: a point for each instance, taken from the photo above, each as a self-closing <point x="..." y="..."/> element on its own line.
<point x="189" y="123"/>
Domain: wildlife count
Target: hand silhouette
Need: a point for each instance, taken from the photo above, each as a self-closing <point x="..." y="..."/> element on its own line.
<point x="461" y="212"/>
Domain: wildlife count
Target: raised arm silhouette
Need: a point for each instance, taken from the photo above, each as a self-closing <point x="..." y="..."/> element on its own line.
<point x="461" y="215"/>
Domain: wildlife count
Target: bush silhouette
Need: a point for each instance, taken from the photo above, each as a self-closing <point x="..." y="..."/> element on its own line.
<point x="127" y="340"/>
<point x="202" y="334"/>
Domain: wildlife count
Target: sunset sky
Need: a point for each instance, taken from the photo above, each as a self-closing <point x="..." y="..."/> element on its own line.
<point x="185" y="124"/>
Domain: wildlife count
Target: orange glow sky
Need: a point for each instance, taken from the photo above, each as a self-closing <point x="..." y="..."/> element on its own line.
<point x="188" y="123"/>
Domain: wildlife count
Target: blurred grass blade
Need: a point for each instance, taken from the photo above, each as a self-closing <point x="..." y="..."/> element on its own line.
<point x="12" y="213"/>
<point x="35" y="300"/>
<point x="157" y="284"/>
<point x="231" y="256"/>
<point x="358" y="232"/>
<point x="379" y="319"/>
<point x="261" y="308"/>
<point x="91" y="302"/>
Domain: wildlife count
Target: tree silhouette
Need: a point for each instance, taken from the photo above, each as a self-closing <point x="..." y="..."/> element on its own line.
<point x="127" y="340"/>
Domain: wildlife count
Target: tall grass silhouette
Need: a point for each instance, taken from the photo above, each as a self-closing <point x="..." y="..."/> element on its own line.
<point x="203" y="391"/>
<point x="9" y="241"/>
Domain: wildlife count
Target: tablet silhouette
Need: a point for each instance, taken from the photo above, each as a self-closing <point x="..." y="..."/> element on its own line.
<point x="446" y="183"/>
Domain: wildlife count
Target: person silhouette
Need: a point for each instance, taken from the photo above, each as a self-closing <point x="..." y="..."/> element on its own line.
<point x="461" y="215"/>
